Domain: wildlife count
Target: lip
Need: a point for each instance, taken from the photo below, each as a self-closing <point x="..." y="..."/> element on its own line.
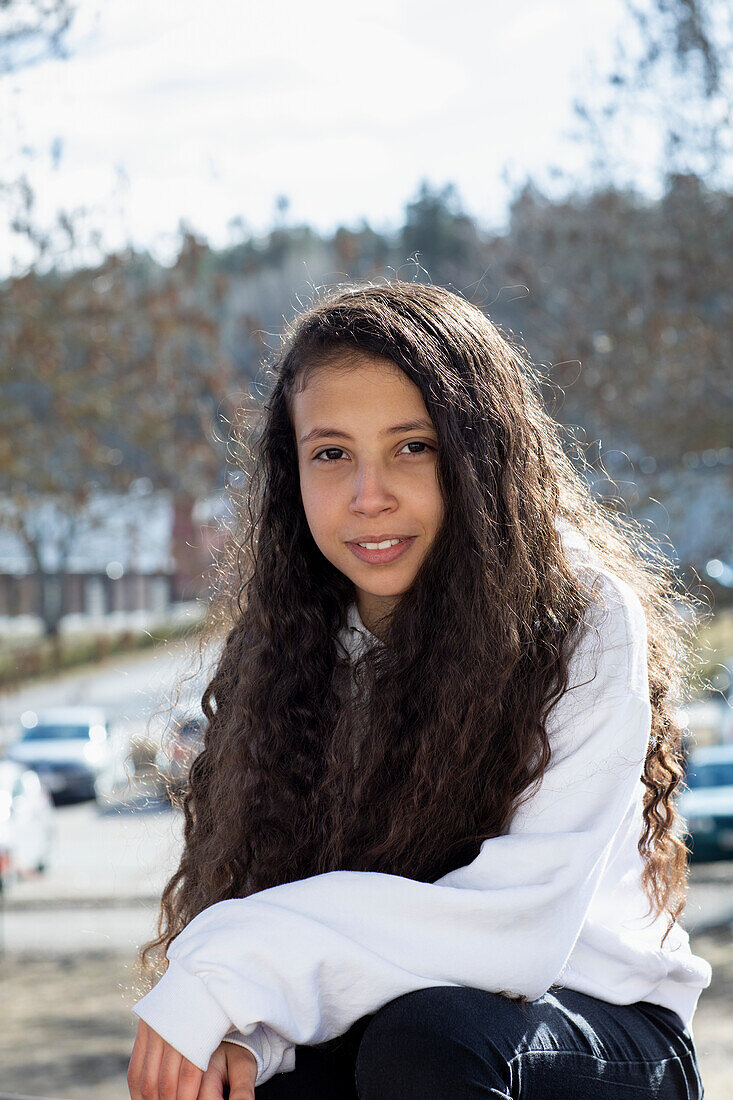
<point x="381" y="557"/>
<point x="380" y="538"/>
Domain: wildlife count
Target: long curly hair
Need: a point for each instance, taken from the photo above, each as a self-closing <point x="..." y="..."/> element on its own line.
<point x="477" y="650"/>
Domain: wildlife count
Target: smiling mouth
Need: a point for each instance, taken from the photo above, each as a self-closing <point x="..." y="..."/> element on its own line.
<point x="380" y="544"/>
<point x="383" y="551"/>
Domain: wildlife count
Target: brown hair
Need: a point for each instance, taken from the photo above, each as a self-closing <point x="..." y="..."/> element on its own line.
<point x="456" y="728"/>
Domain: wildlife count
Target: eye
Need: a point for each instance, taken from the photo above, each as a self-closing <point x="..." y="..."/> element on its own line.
<point x="417" y="443"/>
<point x="328" y="451"/>
<point x="329" y="455"/>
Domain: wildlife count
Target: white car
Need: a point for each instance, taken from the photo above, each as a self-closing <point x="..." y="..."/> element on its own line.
<point x="27" y="822"/>
<point x="73" y="751"/>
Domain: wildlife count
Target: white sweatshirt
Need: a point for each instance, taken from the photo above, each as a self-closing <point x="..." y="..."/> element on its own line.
<point x="557" y="900"/>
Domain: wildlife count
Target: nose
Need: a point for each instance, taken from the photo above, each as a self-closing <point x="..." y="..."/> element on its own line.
<point x="372" y="492"/>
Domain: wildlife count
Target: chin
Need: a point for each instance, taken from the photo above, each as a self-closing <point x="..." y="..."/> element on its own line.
<point x="366" y="580"/>
<point x="393" y="589"/>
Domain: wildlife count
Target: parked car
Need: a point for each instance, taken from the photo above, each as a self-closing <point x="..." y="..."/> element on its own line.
<point x="73" y="751"/>
<point x="27" y="825"/>
<point x="707" y="806"/>
<point x="180" y="745"/>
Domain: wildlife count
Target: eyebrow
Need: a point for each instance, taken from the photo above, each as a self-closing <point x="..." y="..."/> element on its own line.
<point x="418" y="425"/>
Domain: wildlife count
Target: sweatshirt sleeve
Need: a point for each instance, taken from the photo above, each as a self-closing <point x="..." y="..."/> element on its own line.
<point x="300" y="962"/>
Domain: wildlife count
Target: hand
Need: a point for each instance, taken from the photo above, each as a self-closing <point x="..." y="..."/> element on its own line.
<point x="233" y="1065"/>
<point x="157" y="1071"/>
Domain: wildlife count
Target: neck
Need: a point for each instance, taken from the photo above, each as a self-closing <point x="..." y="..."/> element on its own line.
<point x="374" y="612"/>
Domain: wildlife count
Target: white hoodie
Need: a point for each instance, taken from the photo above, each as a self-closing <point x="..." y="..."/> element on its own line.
<point x="557" y="900"/>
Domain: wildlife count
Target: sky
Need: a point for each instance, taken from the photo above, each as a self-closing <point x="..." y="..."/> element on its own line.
<point x="206" y="113"/>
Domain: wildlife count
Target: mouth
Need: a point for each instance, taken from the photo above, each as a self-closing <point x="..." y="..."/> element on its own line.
<point x="383" y="550"/>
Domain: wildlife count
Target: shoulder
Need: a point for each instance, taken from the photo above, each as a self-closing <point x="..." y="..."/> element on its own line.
<point x="612" y="647"/>
<point x="605" y="709"/>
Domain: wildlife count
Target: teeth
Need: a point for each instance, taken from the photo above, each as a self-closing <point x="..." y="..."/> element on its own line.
<point x="379" y="545"/>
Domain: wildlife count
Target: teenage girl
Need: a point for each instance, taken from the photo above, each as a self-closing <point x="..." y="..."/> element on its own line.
<point x="431" y="846"/>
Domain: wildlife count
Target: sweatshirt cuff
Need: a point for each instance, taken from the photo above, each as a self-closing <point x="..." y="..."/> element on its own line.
<point x="184" y="1013"/>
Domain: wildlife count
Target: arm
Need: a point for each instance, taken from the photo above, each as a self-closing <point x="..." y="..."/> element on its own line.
<point x="300" y="962"/>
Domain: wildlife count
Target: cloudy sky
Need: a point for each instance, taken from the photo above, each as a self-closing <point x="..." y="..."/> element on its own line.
<point x="169" y="111"/>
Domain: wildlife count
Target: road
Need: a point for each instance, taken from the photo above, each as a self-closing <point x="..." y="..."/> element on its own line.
<point x="133" y="688"/>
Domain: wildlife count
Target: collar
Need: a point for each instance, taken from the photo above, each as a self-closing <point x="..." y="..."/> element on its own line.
<point x="354" y="636"/>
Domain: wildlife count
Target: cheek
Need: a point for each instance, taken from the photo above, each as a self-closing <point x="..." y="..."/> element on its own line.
<point x="320" y="509"/>
<point x="431" y="504"/>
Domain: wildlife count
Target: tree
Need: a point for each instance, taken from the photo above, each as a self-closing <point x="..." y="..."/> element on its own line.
<point x="109" y="375"/>
<point x="438" y="233"/>
<point x="31" y="31"/>
<point x="628" y="301"/>
<point x="676" y="79"/>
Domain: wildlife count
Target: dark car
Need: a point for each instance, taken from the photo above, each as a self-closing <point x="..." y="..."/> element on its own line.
<point x="707" y="806"/>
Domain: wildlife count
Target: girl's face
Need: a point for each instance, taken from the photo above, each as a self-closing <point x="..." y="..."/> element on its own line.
<point x="367" y="457"/>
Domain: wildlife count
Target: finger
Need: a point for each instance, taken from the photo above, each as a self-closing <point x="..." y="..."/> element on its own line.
<point x="242" y="1067"/>
<point x="189" y="1081"/>
<point x="212" y="1086"/>
<point x="151" y="1066"/>
<point x="137" y="1058"/>
<point x="243" y="1090"/>
<point x="170" y="1064"/>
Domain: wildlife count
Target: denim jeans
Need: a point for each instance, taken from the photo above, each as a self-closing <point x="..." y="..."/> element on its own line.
<point x="449" y="1042"/>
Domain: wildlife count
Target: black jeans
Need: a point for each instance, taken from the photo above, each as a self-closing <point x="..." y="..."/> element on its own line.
<point x="449" y="1042"/>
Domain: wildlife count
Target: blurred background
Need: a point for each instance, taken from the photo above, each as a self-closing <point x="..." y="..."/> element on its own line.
<point x="174" y="184"/>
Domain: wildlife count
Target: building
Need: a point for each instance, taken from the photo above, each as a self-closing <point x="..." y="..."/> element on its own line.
<point x="119" y="555"/>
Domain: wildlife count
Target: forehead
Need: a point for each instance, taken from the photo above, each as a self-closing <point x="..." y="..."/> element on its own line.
<point x="355" y="383"/>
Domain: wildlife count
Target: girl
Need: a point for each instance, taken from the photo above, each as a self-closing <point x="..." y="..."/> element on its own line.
<point x="430" y="843"/>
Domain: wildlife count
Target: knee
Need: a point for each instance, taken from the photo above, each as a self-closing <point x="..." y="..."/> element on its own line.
<point x="420" y="1045"/>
